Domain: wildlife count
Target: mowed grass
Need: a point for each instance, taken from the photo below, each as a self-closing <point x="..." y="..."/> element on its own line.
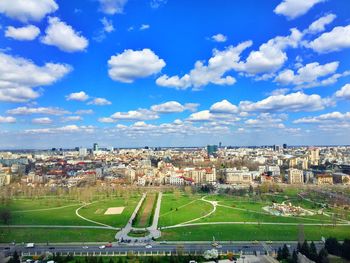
<point x="44" y="235"/>
<point x="44" y="212"/>
<point x="96" y="210"/>
<point x="175" y="210"/>
<point x="252" y="232"/>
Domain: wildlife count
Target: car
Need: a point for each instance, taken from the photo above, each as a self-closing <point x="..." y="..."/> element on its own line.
<point x="218" y="246"/>
<point x="6" y="248"/>
<point x="102" y="247"/>
<point x="148" y="246"/>
<point x="269" y="242"/>
<point x="85" y="247"/>
<point x="108" y="245"/>
<point x="51" y="247"/>
<point x="30" y="245"/>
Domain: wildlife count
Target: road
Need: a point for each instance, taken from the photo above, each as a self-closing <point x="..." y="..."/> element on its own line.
<point x="159" y="248"/>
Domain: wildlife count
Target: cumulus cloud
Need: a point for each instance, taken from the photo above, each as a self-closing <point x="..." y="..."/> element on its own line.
<point x="7" y="119"/>
<point x="295" y="8"/>
<point x="144" y="27"/>
<point x="271" y="55"/>
<point x="26" y="33"/>
<point x="71" y="118"/>
<point x="107" y="25"/>
<point x="320" y="24"/>
<point x="307" y="74"/>
<point x="28" y="10"/>
<point x="335" y="40"/>
<point x="40" y="110"/>
<point x="344" y="92"/>
<point x="100" y="102"/>
<point x="136" y="115"/>
<point x="59" y="130"/>
<point x="219" y="38"/>
<point x="111" y="7"/>
<point x="218" y="65"/>
<point x="132" y="64"/>
<point x="82" y="112"/>
<point x="157" y="3"/>
<point x="328" y="117"/>
<point x="223" y="106"/>
<point x="173" y="107"/>
<point x="19" y="77"/>
<point x="63" y="36"/>
<point x="78" y="96"/>
<point x="107" y="120"/>
<point x="43" y="120"/>
<point x="293" y="102"/>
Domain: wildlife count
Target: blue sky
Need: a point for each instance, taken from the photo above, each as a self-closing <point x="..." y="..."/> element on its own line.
<point x="128" y="73"/>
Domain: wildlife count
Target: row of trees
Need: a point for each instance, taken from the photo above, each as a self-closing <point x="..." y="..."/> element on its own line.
<point x="339" y="249"/>
<point x="310" y="251"/>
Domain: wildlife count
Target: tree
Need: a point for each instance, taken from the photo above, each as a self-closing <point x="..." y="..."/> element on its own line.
<point x="313" y="252"/>
<point x="15" y="258"/>
<point x="332" y="246"/>
<point x="322" y="256"/>
<point x="294" y="258"/>
<point x="5" y="216"/>
<point x="345" y="249"/>
<point x="285" y="252"/>
<point x="279" y="254"/>
<point x="305" y="249"/>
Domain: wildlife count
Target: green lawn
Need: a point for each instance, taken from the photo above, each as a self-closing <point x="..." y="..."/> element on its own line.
<point x="95" y="211"/>
<point x="184" y="208"/>
<point x="252" y="232"/>
<point x="55" y="235"/>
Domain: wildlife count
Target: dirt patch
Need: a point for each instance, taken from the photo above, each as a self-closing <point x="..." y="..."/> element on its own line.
<point x="147" y="210"/>
<point x="114" y="210"/>
<point x="99" y="211"/>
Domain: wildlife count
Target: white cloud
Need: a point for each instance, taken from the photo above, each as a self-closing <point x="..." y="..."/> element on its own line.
<point x="320" y="24"/>
<point x="63" y="36"/>
<point x="157" y="3"/>
<point x="344" y="92"/>
<point x="71" y="118"/>
<point x="112" y="7"/>
<point x="335" y="40"/>
<point x="78" y="96"/>
<point x="132" y="64"/>
<point x="26" y="10"/>
<point x="19" y="77"/>
<point x="294" y="8"/>
<point x="40" y="110"/>
<point x="81" y="112"/>
<point x="107" y="120"/>
<point x="200" y="116"/>
<point x="7" y="119"/>
<point x="100" y="102"/>
<point x="43" y="120"/>
<point x="271" y="55"/>
<point x="219" y="38"/>
<point x="27" y="33"/>
<point x="107" y="25"/>
<point x="168" y="107"/>
<point x="220" y="63"/>
<point x="144" y="27"/>
<point x="292" y="102"/>
<point x="223" y="106"/>
<point x="64" y="130"/>
<point x="307" y="74"/>
<point x="139" y="115"/>
<point x="332" y="116"/>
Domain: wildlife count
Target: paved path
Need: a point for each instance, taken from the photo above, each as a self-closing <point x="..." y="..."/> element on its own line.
<point x="154" y="232"/>
<point x="89" y="220"/>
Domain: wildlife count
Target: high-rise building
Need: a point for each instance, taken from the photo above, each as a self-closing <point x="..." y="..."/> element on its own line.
<point x="95" y="147"/>
<point x="82" y="151"/>
<point x="212" y="149"/>
<point x="314" y="156"/>
<point x="284" y="146"/>
<point x="295" y="176"/>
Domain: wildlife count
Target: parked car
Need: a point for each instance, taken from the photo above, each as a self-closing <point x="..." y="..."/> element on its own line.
<point x="148" y="246"/>
<point x="102" y="247"/>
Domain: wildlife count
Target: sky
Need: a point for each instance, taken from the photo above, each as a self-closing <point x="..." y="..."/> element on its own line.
<point x="134" y="73"/>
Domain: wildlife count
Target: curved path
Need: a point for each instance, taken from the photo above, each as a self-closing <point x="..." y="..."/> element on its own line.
<point x="58" y="226"/>
<point x="89" y="220"/>
<point x="44" y="209"/>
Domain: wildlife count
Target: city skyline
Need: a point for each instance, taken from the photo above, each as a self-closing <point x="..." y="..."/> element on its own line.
<point x="173" y="73"/>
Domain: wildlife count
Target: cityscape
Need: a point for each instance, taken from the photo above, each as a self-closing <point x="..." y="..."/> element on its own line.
<point x="174" y="131"/>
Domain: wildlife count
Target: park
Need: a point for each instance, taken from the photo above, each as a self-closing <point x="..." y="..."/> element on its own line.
<point x="181" y="216"/>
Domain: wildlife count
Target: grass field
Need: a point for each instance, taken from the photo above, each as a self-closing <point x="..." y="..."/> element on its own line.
<point x="44" y="235"/>
<point x="252" y="232"/>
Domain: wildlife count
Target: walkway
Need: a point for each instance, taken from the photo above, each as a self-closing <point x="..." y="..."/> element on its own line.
<point x="89" y="220"/>
<point x="58" y="226"/>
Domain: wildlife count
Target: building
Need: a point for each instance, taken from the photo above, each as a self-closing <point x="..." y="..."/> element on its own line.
<point x="341" y="178"/>
<point x="314" y="156"/>
<point x="295" y="176"/>
<point x="82" y="152"/>
<point x="324" y="179"/>
<point x="5" y="179"/>
<point x="212" y="149"/>
<point x="95" y="147"/>
<point x="234" y="176"/>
